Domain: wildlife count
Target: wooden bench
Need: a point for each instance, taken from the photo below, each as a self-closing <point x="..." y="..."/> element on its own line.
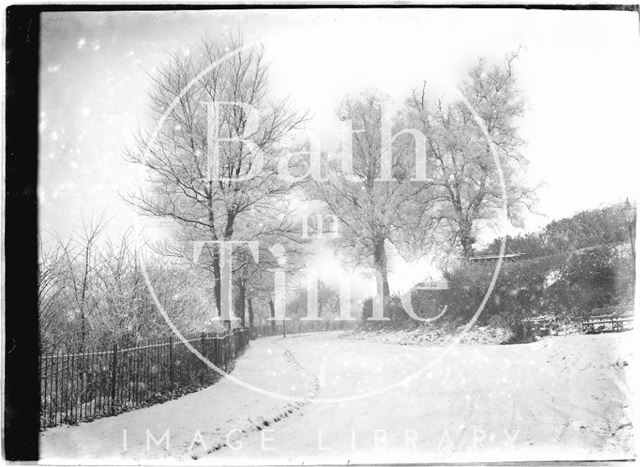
<point x="609" y="319"/>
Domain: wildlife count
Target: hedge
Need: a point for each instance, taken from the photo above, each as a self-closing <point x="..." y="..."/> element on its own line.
<point x="565" y="285"/>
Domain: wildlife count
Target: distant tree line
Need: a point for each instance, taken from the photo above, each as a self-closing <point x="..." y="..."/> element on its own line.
<point x="593" y="227"/>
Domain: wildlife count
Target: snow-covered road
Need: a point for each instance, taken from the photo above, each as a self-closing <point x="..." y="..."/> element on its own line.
<point x="559" y="398"/>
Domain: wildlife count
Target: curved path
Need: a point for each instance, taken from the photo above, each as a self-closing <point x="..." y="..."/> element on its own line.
<point x="560" y="398"/>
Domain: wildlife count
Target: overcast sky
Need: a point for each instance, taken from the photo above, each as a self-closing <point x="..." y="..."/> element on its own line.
<point x="578" y="70"/>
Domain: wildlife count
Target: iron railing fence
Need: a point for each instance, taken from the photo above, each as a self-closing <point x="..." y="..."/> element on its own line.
<point x="84" y="386"/>
<point x="298" y="326"/>
<point x="77" y="387"/>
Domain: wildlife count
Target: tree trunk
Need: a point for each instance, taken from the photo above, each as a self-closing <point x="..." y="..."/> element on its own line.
<point x="240" y="304"/>
<point x="380" y="264"/>
<point x="466" y="240"/>
<point x="83" y="329"/>
<point x="250" y="310"/>
<point x="464" y="228"/>
<point x="215" y="252"/>
<point x="217" y="273"/>
<point x="272" y="310"/>
<point x="217" y="279"/>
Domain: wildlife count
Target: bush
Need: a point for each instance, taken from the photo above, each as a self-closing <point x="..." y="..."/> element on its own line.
<point x="564" y="285"/>
<point x="393" y="310"/>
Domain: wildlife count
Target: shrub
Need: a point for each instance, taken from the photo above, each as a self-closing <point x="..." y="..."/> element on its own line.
<point x="564" y="285"/>
<point x="393" y="310"/>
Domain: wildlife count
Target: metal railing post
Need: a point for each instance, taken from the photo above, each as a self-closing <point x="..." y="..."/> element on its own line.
<point x="114" y="376"/>
<point x="170" y="363"/>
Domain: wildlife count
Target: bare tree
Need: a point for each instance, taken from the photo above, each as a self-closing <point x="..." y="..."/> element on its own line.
<point x="259" y="278"/>
<point x="179" y="185"/>
<point x="373" y="211"/>
<point x="328" y="302"/>
<point x="52" y="274"/>
<point x="467" y="189"/>
<point x="92" y="293"/>
<point x="79" y="256"/>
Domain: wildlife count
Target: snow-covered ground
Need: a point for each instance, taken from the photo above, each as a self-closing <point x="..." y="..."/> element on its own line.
<point x="196" y="423"/>
<point x="562" y="397"/>
<point x="433" y="334"/>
